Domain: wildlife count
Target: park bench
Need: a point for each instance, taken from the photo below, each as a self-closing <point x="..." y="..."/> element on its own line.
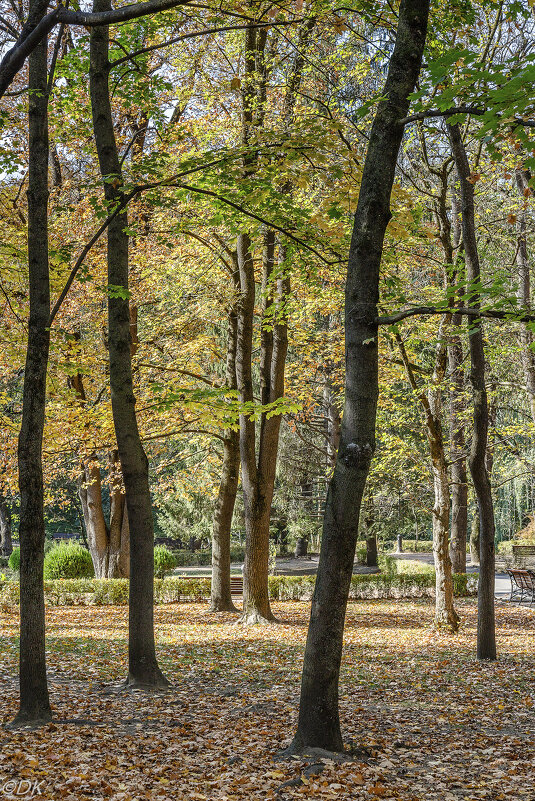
<point x="236" y="585"/>
<point x="522" y="583"/>
<point x="523" y="550"/>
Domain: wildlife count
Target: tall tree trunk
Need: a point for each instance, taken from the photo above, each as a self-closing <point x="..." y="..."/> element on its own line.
<point x="319" y="723"/>
<point x="6" y="546"/>
<point x="221" y="599"/>
<point x="34" y="700"/>
<point x="486" y="636"/>
<point x="143" y="669"/>
<point x="431" y="402"/>
<point x="108" y="544"/>
<point x="474" y="537"/>
<point x="258" y="473"/>
<point x="527" y="354"/>
<point x="459" y="490"/>
<point x="459" y="484"/>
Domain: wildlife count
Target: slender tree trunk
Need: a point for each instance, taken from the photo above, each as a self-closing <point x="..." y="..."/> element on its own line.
<point x="474" y="538"/>
<point x="459" y="484"/>
<point x="431" y="402"/>
<point x="143" y="669"/>
<point x="221" y="599"/>
<point x="34" y="700"/>
<point x="486" y="636"/>
<point x="319" y="723"/>
<point x="6" y="546"/>
<point x="459" y="490"/>
<point x="527" y="354"/>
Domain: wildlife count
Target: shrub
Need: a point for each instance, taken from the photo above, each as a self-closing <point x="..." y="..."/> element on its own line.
<point x="164" y="561"/>
<point x="237" y="553"/>
<point x="506" y="546"/>
<point x="14" y="560"/>
<point x="68" y="560"/>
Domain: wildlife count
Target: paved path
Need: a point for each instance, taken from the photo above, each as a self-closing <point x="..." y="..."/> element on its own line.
<point x="308" y="566"/>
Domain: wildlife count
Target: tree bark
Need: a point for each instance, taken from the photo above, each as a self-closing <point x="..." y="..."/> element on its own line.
<point x="6" y="546"/>
<point x="258" y="472"/>
<point x="486" y="636"/>
<point x="431" y="402"/>
<point x="459" y="489"/>
<point x="108" y="543"/>
<point x="459" y="484"/>
<point x="319" y="723"/>
<point x="527" y="354"/>
<point x="143" y="669"/>
<point x="474" y="538"/>
<point x="34" y="701"/>
<point x="221" y="598"/>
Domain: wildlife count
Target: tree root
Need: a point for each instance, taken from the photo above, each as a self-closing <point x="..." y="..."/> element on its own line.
<point x="254" y="618"/>
<point x="26" y="721"/>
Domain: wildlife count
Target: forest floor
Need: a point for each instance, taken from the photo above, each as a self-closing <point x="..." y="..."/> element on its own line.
<point x="426" y="719"/>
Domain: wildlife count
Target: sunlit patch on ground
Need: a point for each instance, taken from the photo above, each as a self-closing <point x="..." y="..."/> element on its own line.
<point x="433" y="722"/>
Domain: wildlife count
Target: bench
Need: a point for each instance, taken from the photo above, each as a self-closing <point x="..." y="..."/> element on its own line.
<point x="236" y="585"/>
<point x="523" y="550"/>
<point x="522" y="583"/>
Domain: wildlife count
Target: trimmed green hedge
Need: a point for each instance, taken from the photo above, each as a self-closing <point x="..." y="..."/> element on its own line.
<point x="174" y="589"/>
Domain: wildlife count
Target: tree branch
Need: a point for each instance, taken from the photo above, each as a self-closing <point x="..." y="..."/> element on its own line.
<point x="494" y="314"/>
<point x="477" y="111"/>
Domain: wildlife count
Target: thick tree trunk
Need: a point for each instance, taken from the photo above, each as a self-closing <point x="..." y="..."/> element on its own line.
<point x="486" y="636"/>
<point x="221" y="599"/>
<point x="319" y="723"/>
<point x="34" y="700"/>
<point x="527" y="354"/>
<point x="143" y="667"/>
<point x="6" y="546"/>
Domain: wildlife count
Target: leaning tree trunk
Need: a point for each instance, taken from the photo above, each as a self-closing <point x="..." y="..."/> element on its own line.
<point x="319" y="723"/>
<point x="221" y="598"/>
<point x="486" y="635"/>
<point x="143" y="669"/>
<point x="34" y="701"/>
<point x="6" y="546"/>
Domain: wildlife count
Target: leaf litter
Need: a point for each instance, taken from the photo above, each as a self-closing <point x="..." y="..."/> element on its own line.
<point x="424" y="718"/>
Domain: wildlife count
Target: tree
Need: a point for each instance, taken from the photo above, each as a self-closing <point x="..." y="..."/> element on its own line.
<point x="34" y="701"/>
<point x="319" y="724"/>
<point x="143" y="669"/>
<point x="486" y="636"/>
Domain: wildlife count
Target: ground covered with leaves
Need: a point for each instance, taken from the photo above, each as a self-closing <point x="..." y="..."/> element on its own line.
<point x="425" y="719"/>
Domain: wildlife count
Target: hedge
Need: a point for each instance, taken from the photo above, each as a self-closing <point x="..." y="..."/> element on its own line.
<point x="174" y="589"/>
